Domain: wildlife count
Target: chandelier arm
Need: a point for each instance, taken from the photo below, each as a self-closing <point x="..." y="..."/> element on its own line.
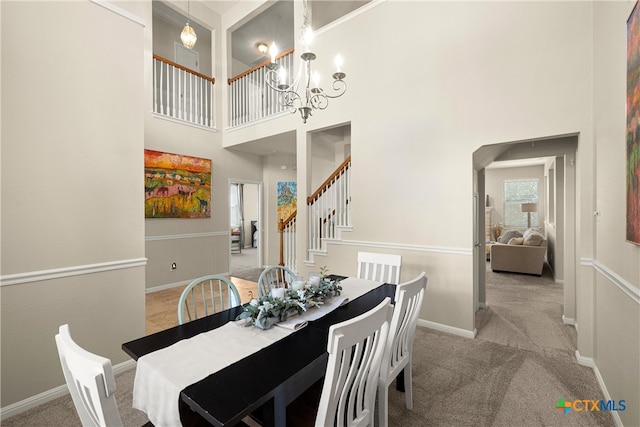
<point x="340" y="87"/>
<point x="319" y="100"/>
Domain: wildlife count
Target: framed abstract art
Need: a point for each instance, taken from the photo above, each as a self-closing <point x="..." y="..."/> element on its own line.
<point x="633" y="127"/>
<point x="176" y="186"/>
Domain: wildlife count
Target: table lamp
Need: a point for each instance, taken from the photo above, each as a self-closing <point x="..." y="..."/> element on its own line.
<point x="528" y="208"/>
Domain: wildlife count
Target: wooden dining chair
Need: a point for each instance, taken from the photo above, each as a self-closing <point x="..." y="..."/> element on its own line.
<point x="274" y="274"/>
<point x="90" y="380"/>
<point x="206" y="295"/>
<point x="379" y="267"/>
<point x="355" y="348"/>
<point x="399" y="346"/>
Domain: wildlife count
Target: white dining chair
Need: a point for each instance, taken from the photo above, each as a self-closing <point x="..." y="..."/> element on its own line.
<point x="379" y="267"/>
<point x="274" y="274"/>
<point x="399" y="346"/>
<point x="90" y="380"/>
<point x="208" y="294"/>
<point x="355" y="348"/>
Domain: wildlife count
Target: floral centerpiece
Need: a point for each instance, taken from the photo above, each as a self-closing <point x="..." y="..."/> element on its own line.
<point x="266" y="311"/>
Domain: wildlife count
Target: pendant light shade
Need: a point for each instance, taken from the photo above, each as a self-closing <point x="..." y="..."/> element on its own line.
<point x="188" y="36"/>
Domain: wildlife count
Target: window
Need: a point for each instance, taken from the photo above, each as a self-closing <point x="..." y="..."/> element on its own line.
<point x="516" y="193"/>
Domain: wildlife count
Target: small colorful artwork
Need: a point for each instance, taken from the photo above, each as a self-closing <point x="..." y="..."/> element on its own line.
<point x="287" y="199"/>
<point x="176" y="186"/>
<point x="633" y="127"/>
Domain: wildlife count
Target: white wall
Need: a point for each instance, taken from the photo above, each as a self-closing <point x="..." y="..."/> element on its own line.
<point x="72" y="219"/>
<point x="417" y="119"/>
<point x="610" y="333"/>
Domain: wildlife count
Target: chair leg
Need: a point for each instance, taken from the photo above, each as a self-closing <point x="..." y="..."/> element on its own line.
<point x="383" y="404"/>
<point x="408" y="386"/>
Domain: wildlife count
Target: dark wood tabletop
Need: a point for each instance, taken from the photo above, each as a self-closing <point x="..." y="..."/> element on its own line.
<point x="267" y="380"/>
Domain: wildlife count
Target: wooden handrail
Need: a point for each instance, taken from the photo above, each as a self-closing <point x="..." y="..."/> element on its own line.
<point x="283" y="223"/>
<point x="257" y="67"/>
<point x="188" y="70"/>
<point x="343" y="166"/>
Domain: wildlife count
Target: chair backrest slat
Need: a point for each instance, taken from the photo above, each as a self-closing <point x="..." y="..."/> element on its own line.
<point x="355" y="348"/>
<point x="409" y="297"/>
<point x="379" y="267"/>
<point x="90" y="380"/>
<point x="274" y="274"/>
<point x="203" y="294"/>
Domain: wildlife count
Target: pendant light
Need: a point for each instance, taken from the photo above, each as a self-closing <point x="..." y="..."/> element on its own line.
<point x="188" y="35"/>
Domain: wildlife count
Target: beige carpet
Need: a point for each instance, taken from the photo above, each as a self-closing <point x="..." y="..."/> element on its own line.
<point x="512" y="374"/>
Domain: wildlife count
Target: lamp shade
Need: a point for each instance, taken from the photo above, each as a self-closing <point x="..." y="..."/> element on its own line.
<point x="529" y="207"/>
<point x="188" y="36"/>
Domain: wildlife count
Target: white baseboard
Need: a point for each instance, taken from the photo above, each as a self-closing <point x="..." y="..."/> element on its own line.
<point x="589" y="362"/>
<point x="568" y="320"/>
<point x="49" y="395"/>
<point x="448" y="329"/>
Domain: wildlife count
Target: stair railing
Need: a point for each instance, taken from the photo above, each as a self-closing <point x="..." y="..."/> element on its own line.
<point x="287" y="230"/>
<point x="329" y="207"/>
<point x="182" y="94"/>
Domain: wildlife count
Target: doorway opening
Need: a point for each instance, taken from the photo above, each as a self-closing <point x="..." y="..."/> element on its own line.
<point x="556" y="214"/>
<point x="245" y="219"/>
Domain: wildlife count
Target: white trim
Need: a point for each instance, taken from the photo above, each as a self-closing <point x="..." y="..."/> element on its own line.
<point x="185" y="236"/>
<point x="589" y="362"/>
<point x="118" y="10"/>
<point x="255" y="122"/>
<point x="568" y="320"/>
<point x="184" y="122"/>
<point x="417" y="248"/>
<point x="57" y="273"/>
<point x="349" y="16"/>
<point x="482" y="305"/>
<point x="448" y="329"/>
<point x="166" y="286"/>
<point x="54" y="393"/>
<point x="624" y="285"/>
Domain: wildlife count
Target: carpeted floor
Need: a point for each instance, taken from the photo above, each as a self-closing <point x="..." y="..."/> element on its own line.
<point x="244" y="265"/>
<point x="512" y="374"/>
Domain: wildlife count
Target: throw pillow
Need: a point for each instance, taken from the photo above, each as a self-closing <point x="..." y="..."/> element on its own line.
<point x="533" y="239"/>
<point x="516" y="240"/>
<point x="509" y="235"/>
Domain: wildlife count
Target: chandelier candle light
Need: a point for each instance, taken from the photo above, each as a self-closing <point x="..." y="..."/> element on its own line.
<point x="312" y="97"/>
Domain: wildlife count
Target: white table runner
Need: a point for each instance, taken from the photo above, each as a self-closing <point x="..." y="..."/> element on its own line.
<point x="161" y="375"/>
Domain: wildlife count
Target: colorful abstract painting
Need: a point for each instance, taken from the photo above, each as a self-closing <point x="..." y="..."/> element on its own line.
<point x="633" y="127"/>
<point x="176" y="186"/>
<point x="287" y="199"/>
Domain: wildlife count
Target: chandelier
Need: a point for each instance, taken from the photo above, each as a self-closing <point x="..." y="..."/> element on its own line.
<point x="188" y="35"/>
<point x="311" y="96"/>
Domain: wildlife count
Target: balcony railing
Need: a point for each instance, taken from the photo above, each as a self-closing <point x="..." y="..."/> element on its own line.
<point x="182" y="94"/>
<point x="250" y="99"/>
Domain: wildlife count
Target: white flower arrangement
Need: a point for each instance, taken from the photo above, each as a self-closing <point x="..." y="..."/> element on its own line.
<point x="266" y="311"/>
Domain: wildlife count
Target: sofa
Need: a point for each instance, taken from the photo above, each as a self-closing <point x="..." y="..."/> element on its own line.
<point x="519" y="254"/>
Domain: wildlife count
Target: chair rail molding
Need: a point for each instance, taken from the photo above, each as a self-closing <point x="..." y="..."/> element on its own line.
<point x="185" y="236"/>
<point x="77" y="270"/>
<point x="625" y="286"/>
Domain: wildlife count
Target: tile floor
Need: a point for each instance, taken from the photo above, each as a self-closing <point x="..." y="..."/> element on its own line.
<point x="162" y="306"/>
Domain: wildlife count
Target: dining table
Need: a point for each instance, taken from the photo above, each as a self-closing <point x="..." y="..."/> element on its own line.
<point x="259" y="381"/>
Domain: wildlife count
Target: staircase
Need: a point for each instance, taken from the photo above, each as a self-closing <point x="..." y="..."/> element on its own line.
<point x="329" y="214"/>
